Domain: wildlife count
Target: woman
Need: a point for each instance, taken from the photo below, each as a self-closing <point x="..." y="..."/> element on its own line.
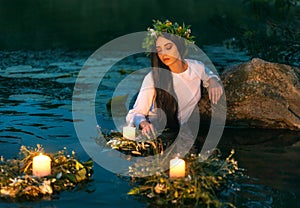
<point x="171" y="91"/>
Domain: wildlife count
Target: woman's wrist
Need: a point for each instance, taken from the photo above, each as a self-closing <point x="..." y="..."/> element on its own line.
<point x="143" y="124"/>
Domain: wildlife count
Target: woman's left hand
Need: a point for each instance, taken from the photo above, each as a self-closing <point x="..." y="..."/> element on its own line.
<point x="215" y="90"/>
<point x="147" y="128"/>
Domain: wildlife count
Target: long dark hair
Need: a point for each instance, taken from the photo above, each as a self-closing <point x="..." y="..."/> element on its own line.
<point x="166" y="98"/>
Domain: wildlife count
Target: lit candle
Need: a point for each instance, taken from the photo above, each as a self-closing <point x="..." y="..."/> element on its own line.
<point x="129" y="132"/>
<point x="177" y="168"/>
<point x="41" y="165"/>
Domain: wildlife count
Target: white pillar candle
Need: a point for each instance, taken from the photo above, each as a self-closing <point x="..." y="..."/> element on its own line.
<point x="129" y="132"/>
<point x="177" y="168"/>
<point x="41" y="165"/>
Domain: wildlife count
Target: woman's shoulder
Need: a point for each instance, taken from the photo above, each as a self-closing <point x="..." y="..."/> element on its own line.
<point x="199" y="68"/>
<point x="148" y="76"/>
<point x="195" y="63"/>
<point x="148" y="80"/>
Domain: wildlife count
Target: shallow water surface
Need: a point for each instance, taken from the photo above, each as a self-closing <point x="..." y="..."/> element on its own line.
<point x="36" y="107"/>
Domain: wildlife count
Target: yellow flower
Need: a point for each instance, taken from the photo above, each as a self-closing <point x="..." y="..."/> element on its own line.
<point x="160" y="188"/>
<point x="179" y="28"/>
<point x="161" y="180"/>
<point x="168" y="23"/>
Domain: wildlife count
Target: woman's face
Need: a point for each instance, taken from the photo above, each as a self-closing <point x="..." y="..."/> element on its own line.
<point x="167" y="51"/>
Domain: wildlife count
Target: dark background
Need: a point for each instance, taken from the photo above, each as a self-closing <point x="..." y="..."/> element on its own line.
<point x="78" y="24"/>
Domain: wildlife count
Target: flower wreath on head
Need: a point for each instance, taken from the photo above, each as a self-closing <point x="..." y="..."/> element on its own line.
<point x="167" y="26"/>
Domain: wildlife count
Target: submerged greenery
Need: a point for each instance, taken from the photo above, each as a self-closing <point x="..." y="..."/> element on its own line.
<point x="18" y="183"/>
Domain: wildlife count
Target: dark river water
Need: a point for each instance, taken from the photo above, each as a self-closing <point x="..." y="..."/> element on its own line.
<point x="36" y="108"/>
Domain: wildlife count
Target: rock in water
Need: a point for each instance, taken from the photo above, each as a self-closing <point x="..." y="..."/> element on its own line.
<point x="118" y="105"/>
<point x="260" y="94"/>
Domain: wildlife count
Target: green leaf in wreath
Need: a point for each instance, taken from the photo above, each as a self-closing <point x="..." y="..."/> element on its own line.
<point x="134" y="191"/>
<point x="71" y="177"/>
<point x="88" y="163"/>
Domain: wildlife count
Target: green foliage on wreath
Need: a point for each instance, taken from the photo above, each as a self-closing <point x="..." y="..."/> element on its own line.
<point x="205" y="179"/>
<point x="18" y="183"/>
<point x="159" y="27"/>
<point x="143" y="146"/>
<point x="206" y="175"/>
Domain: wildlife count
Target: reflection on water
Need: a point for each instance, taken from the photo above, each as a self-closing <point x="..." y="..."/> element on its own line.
<point x="36" y="92"/>
<point x="271" y="158"/>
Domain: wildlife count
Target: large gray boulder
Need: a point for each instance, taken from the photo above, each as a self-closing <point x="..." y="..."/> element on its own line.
<point x="260" y="94"/>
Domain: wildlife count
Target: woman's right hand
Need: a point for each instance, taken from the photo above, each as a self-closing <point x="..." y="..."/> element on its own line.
<point x="147" y="128"/>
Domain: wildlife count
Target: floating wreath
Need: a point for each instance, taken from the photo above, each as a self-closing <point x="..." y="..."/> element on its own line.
<point x="18" y="183"/>
<point x="205" y="176"/>
<point x="142" y="146"/>
<point x="205" y="179"/>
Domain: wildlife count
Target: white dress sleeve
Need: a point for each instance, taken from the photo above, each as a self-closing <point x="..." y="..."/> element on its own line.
<point x="143" y="103"/>
<point x="205" y="73"/>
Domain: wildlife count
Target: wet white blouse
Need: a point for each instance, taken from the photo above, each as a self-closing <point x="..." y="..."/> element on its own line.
<point x="186" y="87"/>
